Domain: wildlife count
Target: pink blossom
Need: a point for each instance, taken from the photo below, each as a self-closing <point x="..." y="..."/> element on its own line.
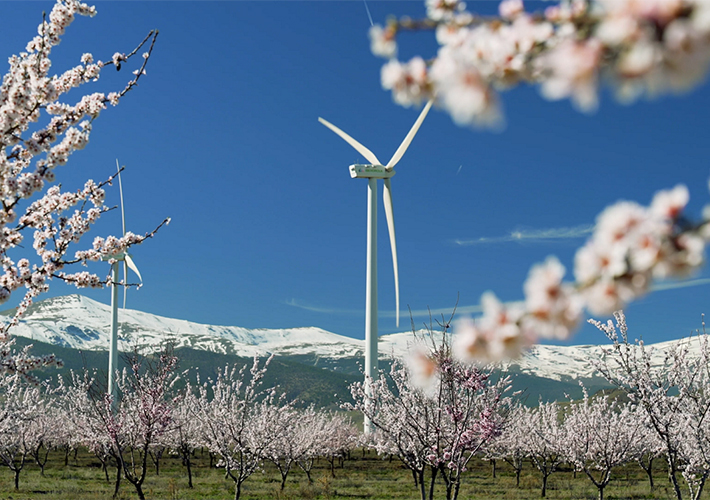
<point x="573" y="72"/>
<point x="554" y="308"/>
<point x="423" y="370"/>
<point x="439" y="10"/>
<point x="495" y="336"/>
<point x="509" y="9"/>
<point x="382" y="43"/>
<point x="463" y="91"/>
<point x="408" y="82"/>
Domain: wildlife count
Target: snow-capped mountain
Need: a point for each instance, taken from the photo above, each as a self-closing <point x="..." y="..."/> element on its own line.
<point x="78" y="322"/>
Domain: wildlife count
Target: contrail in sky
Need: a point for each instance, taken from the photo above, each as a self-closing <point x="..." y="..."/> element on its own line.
<point x="532" y="235"/>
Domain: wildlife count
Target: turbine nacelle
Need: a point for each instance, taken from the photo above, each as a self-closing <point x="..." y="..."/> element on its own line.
<point x="362" y="171"/>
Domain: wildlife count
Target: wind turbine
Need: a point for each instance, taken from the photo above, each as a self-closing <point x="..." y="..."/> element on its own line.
<point x="127" y="263"/>
<point x="373" y="171"/>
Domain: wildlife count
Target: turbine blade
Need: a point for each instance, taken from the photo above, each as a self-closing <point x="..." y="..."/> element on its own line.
<point x="120" y="190"/>
<point x="129" y="262"/>
<point x="369" y="155"/>
<point x="125" y="280"/>
<point x="389" y="213"/>
<point x="407" y="140"/>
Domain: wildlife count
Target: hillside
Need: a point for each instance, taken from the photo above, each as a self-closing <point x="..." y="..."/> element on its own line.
<point x="310" y="363"/>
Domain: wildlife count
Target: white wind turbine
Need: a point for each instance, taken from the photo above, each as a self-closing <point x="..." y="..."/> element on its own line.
<point x="127" y="263"/>
<point x="375" y="170"/>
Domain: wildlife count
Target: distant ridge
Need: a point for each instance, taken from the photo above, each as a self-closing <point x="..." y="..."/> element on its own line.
<point x="77" y="322"/>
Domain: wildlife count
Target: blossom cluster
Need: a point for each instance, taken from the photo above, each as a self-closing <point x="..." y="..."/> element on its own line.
<point x="631" y="246"/>
<point x="641" y="48"/>
<point x="40" y="128"/>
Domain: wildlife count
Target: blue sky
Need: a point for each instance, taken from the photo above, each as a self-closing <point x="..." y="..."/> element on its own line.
<point x="268" y="229"/>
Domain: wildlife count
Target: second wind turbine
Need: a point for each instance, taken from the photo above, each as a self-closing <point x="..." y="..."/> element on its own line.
<point x="373" y="171"/>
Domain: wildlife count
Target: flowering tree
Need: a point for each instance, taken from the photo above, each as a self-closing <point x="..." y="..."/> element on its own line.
<point x="227" y="407"/>
<point x="81" y="406"/>
<point x="672" y="390"/>
<point x="439" y="427"/>
<point x="642" y="48"/>
<point x="22" y="432"/>
<point x="283" y="429"/>
<point x="544" y="439"/>
<point x="509" y="445"/>
<point x="144" y="412"/>
<point x="652" y="449"/>
<point x="39" y="131"/>
<point x="602" y="435"/>
<point x="183" y="435"/>
<point x="128" y="429"/>
<point x="340" y="437"/>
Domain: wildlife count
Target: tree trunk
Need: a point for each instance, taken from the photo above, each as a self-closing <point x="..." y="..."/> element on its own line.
<point x="283" y="479"/>
<point x="674" y="481"/>
<point x="188" y="464"/>
<point x="457" y="487"/>
<point x="139" y="490"/>
<point x="493" y="465"/>
<point x="119" y="470"/>
<point x="544" y="485"/>
<point x="237" y="490"/>
<point x="422" y="487"/>
<point x="433" y="480"/>
<point x="17" y="478"/>
<point x="649" y="470"/>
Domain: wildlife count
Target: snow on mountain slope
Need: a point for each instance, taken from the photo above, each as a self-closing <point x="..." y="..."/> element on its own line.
<point x="81" y="323"/>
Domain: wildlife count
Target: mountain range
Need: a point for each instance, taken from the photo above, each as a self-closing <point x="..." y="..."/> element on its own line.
<point x="77" y="323"/>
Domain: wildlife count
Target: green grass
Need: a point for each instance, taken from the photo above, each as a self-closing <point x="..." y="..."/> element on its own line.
<point x="365" y="475"/>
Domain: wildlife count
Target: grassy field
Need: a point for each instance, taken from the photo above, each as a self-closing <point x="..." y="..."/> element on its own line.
<point x="363" y="476"/>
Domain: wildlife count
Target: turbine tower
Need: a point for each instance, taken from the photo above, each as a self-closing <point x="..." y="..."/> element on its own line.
<point x="373" y="171"/>
<point x="127" y="263"/>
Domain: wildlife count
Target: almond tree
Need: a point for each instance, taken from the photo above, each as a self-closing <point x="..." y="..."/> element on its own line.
<point x="83" y="411"/>
<point x="43" y="121"/>
<point x="672" y="390"/>
<point x="314" y="426"/>
<point x="341" y="437"/>
<point x="282" y="429"/>
<point x="43" y="435"/>
<point x="544" y="439"/>
<point x="652" y="449"/>
<point x="439" y="428"/>
<point x="228" y="407"/>
<point x="602" y="435"/>
<point x="128" y="429"/>
<point x="509" y="444"/>
<point x="144" y="412"/>
<point x="21" y="407"/>
<point x="183" y="435"/>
